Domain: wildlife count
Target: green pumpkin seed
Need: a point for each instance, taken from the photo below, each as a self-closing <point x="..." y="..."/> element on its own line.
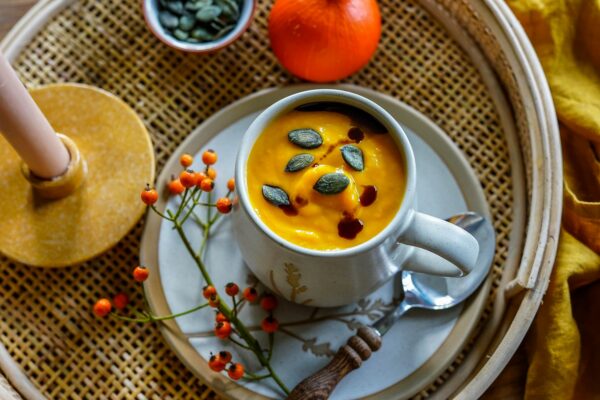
<point x="306" y="138"/>
<point x="168" y="20"/>
<point x="299" y="162"/>
<point x="224" y="31"/>
<point x="208" y="13"/>
<point x="332" y="183"/>
<point x="275" y="195"/>
<point x="231" y="10"/>
<point x="353" y="156"/>
<point x="175" y="7"/>
<point x="186" y="23"/>
<point x="181" y="35"/>
<point x="197" y="5"/>
<point x="201" y="34"/>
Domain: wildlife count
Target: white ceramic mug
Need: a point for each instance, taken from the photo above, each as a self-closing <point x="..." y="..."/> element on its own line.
<point x="412" y="240"/>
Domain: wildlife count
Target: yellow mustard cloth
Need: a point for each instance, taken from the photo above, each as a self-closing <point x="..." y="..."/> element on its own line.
<point x="563" y="347"/>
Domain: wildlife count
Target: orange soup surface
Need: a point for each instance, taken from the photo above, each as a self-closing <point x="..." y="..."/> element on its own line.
<point x="326" y="180"/>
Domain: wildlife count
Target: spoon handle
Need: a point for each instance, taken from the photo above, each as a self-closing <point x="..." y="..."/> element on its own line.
<point x="348" y="358"/>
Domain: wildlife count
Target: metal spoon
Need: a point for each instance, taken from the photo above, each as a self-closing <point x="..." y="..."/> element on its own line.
<point x="420" y="291"/>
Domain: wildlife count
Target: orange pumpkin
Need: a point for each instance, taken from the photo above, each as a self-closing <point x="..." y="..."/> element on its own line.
<point x="324" y="40"/>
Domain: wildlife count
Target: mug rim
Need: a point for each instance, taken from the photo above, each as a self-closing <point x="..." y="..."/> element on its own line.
<point x="287" y="104"/>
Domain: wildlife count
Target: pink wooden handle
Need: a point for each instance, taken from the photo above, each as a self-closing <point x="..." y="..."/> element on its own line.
<point x="26" y="128"/>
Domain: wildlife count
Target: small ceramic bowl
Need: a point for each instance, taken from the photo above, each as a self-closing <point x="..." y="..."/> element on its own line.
<point x="151" y="9"/>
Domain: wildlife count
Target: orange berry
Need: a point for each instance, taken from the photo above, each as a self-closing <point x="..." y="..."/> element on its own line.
<point x="209" y="291"/>
<point x="235" y="371"/>
<point x="220" y="317"/>
<point x="224" y="205"/>
<point x="231" y="184"/>
<point x="149" y="196"/>
<point x="215" y="363"/>
<point x="209" y="157"/>
<point x="207" y="185"/>
<point x="120" y="301"/>
<point x="186" y="160"/>
<point x="232" y="289"/>
<point x="250" y="294"/>
<point x="199" y="176"/>
<point x="140" y="273"/>
<point x="269" y="324"/>
<point x="213" y="301"/>
<point x="175" y="187"/>
<point x="187" y="178"/>
<point x="212" y="173"/>
<point x="102" y="308"/>
<point x="224" y="356"/>
<point x="268" y="302"/>
<point x="223" y="330"/>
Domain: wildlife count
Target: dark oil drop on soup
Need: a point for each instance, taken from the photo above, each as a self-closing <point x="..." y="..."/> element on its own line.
<point x="349" y="227"/>
<point x="368" y="196"/>
<point x="290" y="210"/>
<point x="356" y="134"/>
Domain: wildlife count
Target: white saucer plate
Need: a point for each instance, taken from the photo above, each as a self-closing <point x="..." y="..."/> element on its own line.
<point x="415" y="351"/>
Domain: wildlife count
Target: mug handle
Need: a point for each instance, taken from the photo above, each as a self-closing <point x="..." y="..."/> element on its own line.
<point x="440" y="247"/>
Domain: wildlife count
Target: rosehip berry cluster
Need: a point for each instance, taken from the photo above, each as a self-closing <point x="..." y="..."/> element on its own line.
<point x="219" y="362"/>
<point x="103" y="307"/>
<point x="190" y="179"/>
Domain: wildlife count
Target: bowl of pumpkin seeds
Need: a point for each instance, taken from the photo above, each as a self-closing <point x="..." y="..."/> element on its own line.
<point x="198" y="26"/>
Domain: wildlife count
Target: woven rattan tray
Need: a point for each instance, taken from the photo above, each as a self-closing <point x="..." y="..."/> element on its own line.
<point x="453" y="60"/>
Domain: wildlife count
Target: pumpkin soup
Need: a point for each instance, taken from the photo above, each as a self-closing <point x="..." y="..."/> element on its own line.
<point x="325" y="177"/>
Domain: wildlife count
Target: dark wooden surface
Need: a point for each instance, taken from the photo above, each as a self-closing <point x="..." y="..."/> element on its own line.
<point x="509" y="385"/>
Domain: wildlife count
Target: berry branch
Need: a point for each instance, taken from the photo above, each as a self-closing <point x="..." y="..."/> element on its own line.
<point x="194" y="189"/>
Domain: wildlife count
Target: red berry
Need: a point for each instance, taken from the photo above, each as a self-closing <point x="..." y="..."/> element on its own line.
<point x="120" y="301"/>
<point x="207" y="185"/>
<point x="209" y="157"/>
<point x="149" y="196"/>
<point x="235" y="371"/>
<point x="224" y="205"/>
<point x="268" y="302"/>
<point x="220" y="317"/>
<point x="213" y="301"/>
<point x="186" y="160"/>
<point x="102" y="308"/>
<point x="223" y="330"/>
<point x="231" y="184"/>
<point x="250" y="294"/>
<point x="209" y="291"/>
<point x="215" y="363"/>
<point x="140" y="273"/>
<point x="232" y="289"/>
<point x="269" y="324"/>
<point x="224" y="356"/>
<point x="175" y="187"/>
<point x="187" y="178"/>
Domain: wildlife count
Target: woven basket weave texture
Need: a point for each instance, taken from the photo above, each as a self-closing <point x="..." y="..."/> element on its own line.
<point x="45" y="315"/>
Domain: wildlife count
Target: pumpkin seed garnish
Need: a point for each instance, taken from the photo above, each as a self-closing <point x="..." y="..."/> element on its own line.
<point x="299" y="162"/>
<point x="197" y="4"/>
<point x="179" y="34"/>
<point x="186" y="22"/>
<point x="332" y="183"/>
<point x="208" y="13"/>
<point x="168" y="20"/>
<point x="306" y="138"/>
<point x="175" y="7"/>
<point x="275" y="195"/>
<point x="199" y="20"/>
<point x="353" y="156"/>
